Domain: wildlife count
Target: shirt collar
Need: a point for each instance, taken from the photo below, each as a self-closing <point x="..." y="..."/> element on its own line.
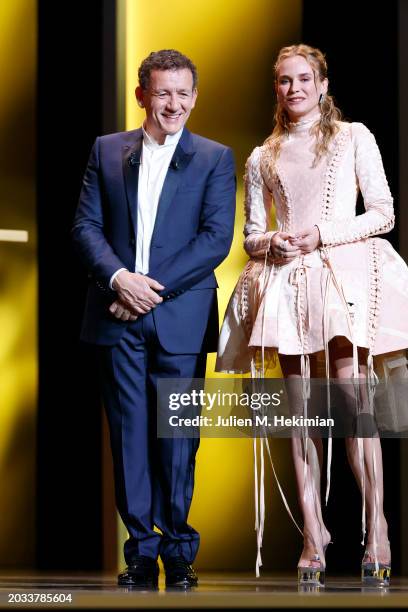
<point x="171" y="140"/>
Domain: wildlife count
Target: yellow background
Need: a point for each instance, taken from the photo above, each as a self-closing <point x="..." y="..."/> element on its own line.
<point x="233" y="45"/>
<point x="18" y="283"/>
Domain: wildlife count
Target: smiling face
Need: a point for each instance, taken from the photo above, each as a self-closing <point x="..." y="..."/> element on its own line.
<point x="298" y="88"/>
<point x="168" y="100"/>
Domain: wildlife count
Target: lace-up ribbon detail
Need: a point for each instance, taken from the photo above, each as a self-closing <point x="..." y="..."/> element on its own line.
<point x="330" y="179"/>
<point x="284" y="194"/>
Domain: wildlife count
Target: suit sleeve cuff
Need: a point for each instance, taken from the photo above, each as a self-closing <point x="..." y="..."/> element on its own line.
<point x="114" y="275"/>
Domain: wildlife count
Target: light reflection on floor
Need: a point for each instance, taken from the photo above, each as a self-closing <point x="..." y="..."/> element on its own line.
<point x="215" y="590"/>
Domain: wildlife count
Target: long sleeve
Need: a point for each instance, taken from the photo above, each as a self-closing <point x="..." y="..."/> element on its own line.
<point x="88" y="232"/>
<point x="378" y="202"/>
<point x="258" y="203"/>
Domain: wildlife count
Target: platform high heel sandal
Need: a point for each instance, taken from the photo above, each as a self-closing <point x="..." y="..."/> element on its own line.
<point x="371" y="575"/>
<point x="313" y="576"/>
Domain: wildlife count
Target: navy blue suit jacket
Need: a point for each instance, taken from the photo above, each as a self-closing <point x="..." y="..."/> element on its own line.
<point x="192" y="235"/>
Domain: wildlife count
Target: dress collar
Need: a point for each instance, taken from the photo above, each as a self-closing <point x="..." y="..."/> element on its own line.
<point x="304" y="124"/>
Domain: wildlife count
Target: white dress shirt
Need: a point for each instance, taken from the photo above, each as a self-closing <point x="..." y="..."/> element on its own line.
<point x="154" y="164"/>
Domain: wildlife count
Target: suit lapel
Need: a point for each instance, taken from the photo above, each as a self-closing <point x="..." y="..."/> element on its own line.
<point x="131" y="163"/>
<point x="182" y="157"/>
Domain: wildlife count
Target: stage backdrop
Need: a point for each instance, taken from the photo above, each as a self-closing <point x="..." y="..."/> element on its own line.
<point x="233" y="45"/>
<point x="18" y="283"/>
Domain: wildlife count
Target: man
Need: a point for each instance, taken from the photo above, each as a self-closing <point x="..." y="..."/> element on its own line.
<point x="155" y="218"/>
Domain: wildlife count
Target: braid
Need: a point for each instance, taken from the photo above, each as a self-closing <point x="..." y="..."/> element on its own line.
<point x="327" y="127"/>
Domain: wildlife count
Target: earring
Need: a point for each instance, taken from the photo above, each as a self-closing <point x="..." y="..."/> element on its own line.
<point x="321" y="98"/>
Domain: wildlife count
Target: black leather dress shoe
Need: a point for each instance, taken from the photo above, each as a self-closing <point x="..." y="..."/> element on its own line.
<point x="179" y="573"/>
<point x="141" y="572"/>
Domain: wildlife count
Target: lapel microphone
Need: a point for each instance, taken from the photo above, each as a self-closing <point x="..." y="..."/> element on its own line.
<point x="134" y="160"/>
<point x="175" y="164"/>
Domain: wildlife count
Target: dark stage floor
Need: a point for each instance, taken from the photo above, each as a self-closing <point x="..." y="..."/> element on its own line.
<point x="216" y="590"/>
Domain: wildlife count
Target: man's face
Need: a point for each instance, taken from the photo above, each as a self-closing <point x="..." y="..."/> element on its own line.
<point x="168" y="101"/>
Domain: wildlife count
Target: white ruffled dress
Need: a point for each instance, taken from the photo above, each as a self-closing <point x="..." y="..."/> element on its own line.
<point x="355" y="285"/>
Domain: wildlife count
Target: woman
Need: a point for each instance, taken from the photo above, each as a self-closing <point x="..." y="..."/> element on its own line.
<point x="320" y="284"/>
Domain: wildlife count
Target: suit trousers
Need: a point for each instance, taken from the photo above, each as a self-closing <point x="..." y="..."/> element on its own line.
<point x="154" y="477"/>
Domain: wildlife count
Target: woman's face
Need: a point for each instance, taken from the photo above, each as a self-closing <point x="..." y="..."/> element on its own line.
<point x="298" y="89"/>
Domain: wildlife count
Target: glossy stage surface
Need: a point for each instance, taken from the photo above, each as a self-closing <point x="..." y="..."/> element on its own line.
<point x="216" y="590"/>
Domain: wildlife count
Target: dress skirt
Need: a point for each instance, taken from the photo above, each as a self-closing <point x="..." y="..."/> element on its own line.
<point x="357" y="290"/>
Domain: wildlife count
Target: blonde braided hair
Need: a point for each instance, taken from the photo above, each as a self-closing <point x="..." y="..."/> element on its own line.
<point x="326" y="128"/>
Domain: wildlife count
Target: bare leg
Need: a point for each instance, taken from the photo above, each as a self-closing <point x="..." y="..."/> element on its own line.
<point x="342" y="367"/>
<point x="308" y="478"/>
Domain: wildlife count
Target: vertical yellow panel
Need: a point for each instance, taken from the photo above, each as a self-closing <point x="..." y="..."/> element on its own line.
<point x="18" y="282"/>
<point x="233" y="45"/>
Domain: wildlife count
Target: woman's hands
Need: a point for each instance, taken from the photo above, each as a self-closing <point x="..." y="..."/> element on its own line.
<point x="307" y="240"/>
<point x="281" y="249"/>
<point x="286" y="247"/>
